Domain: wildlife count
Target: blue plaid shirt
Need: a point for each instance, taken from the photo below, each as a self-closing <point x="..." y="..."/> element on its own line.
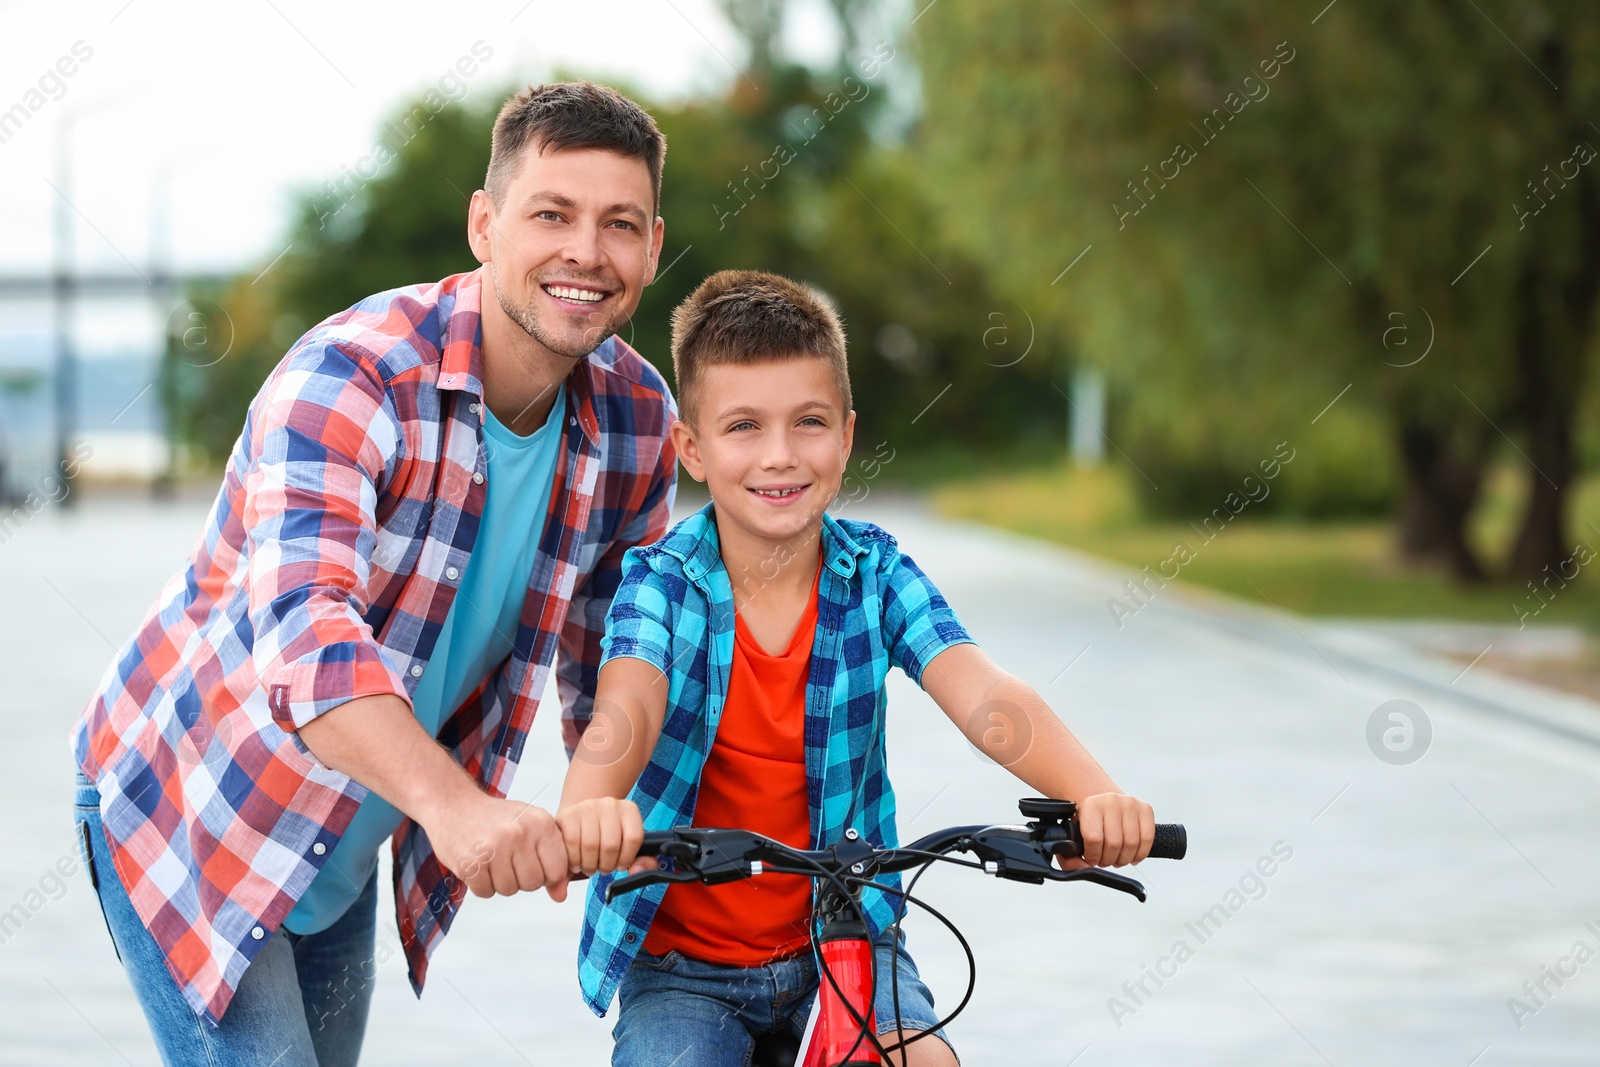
<point x="675" y="609"/>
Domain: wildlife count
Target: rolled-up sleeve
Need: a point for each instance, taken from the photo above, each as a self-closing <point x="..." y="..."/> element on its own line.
<point x="321" y="434"/>
<point x="918" y="623"/>
<point x="639" y="624"/>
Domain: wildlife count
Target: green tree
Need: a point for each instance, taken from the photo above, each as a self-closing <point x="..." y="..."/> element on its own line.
<point x="1268" y="194"/>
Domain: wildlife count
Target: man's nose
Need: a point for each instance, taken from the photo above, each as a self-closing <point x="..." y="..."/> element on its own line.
<point x="582" y="248"/>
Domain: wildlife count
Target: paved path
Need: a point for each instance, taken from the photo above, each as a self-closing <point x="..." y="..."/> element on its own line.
<point x="1406" y="903"/>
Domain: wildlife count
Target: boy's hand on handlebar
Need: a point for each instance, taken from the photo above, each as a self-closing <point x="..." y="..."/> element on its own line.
<point x="1117" y="830"/>
<point x="603" y="835"/>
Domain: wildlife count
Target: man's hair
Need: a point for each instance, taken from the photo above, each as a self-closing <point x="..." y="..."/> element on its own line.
<point x="565" y="115"/>
<point x="750" y="316"/>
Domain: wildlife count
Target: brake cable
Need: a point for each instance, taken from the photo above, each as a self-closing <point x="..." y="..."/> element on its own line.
<point x="966" y="947"/>
<point x="865" y="1030"/>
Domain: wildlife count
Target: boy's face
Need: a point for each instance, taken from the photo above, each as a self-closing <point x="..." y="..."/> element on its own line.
<point x="771" y="444"/>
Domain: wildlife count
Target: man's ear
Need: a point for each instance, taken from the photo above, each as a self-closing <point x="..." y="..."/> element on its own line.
<point x="480" y="220"/>
<point x="688" y="449"/>
<point x="658" y="236"/>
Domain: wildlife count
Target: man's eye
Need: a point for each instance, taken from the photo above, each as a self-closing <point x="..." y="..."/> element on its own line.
<point x="625" y="223"/>
<point x="549" y="215"/>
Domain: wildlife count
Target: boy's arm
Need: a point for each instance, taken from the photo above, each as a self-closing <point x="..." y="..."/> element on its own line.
<point x="601" y="827"/>
<point x="1008" y="720"/>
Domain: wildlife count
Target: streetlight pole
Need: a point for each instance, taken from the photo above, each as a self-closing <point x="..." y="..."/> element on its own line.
<point x="66" y="395"/>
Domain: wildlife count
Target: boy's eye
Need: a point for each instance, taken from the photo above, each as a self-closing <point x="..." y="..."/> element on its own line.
<point x="814" y="420"/>
<point x="741" y="424"/>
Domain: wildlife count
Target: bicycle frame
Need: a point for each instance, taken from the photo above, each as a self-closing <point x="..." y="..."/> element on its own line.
<point x="832" y="1034"/>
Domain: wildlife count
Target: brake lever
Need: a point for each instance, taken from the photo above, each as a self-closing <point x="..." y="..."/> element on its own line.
<point x="1101" y="876"/>
<point x="1016" y="854"/>
<point x="628" y="883"/>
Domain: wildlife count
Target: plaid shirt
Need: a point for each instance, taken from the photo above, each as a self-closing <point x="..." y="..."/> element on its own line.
<point x="675" y="609"/>
<point x="327" y="567"/>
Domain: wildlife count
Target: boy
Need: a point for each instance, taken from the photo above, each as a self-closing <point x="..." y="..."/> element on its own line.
<point x="742" y="684"/>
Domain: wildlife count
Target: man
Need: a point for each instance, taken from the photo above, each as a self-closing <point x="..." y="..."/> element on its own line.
<point x="432" y="491"/>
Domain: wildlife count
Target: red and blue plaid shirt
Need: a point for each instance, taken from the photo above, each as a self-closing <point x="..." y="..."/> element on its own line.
<point x="327" y="567"/>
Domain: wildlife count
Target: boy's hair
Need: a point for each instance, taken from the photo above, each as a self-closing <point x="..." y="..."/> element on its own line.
<point x="750" y="316"/>
<point x="564" y="115"/>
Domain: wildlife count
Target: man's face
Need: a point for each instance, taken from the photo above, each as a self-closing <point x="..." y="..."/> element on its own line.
<point x="771" y="443"/>
<point x="572" y="246"/>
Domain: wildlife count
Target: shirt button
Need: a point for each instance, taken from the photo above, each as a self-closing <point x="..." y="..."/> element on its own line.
<point x="319" y="848"/>
<point x="416" y="670"/>
<point x="451" y="573"/>
<point x="630" y="937"/>
<point x="477" y="478"/>
<point x="258" y="933"/>
<point x="472" y="408"/>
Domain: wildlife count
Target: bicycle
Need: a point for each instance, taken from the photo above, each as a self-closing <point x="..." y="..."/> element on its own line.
<point x="842" y="1031"/>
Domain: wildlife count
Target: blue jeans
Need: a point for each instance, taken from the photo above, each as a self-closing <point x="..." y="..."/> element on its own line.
<point x="673" y="1004"/>
<point x="302" y="1001"/>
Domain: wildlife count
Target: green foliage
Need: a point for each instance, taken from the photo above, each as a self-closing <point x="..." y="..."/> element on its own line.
<point x="220" y="350"/>
<point x="1344" y="467"/>
<point x="1255" y="219"/>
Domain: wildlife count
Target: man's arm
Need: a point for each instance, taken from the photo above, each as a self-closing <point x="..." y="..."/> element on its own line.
<point x="493" y="845"/>
<point x="1008" y="720"/>
<point x="601" y="828"/>
<point x="322" y="440"/>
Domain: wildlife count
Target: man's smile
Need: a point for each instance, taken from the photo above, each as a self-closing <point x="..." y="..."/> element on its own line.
<point x="580" y="299"/>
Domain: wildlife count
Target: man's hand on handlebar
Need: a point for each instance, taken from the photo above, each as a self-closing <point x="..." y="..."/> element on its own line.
<point x="1117" y="830"/>
<point x="603" y="835"/>
<point x="500" y="846"/>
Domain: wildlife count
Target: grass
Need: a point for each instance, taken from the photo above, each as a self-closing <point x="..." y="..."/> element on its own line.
<point x="1325" y="568"/>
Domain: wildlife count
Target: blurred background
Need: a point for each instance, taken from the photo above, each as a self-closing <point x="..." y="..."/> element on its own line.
<point x="1292" y="303"/>
<point x="1097" y="265"/>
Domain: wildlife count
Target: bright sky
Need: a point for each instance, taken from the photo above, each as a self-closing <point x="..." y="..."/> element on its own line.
<point x="221" y="110"/>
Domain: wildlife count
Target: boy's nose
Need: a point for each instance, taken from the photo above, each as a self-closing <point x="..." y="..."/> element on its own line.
<point x="780" y="452"/>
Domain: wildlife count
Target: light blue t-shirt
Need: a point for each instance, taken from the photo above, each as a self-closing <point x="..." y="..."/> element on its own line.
<point x="477" y="634"/>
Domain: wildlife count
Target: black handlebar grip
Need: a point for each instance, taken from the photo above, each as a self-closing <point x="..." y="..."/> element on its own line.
<point x="653" y="840"/>
<point x="1171" y="843"/>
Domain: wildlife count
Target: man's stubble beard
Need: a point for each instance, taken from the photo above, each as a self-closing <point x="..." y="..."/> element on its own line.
<point x="525" y="318"/>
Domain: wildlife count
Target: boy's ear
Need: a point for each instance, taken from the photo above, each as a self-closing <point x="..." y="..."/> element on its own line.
<point x="688" y="449"/>
<point x="849" y="433"/>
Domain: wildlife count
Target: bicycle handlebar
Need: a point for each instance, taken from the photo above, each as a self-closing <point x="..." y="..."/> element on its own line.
<point x="1019" y="853"/>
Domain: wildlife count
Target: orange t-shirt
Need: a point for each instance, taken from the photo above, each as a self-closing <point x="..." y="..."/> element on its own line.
<point x="754" y="779"/>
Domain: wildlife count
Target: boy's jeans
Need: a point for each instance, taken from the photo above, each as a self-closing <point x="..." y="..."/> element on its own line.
<point x="302" y="1002"/>
<point x="677" y="1010"/>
